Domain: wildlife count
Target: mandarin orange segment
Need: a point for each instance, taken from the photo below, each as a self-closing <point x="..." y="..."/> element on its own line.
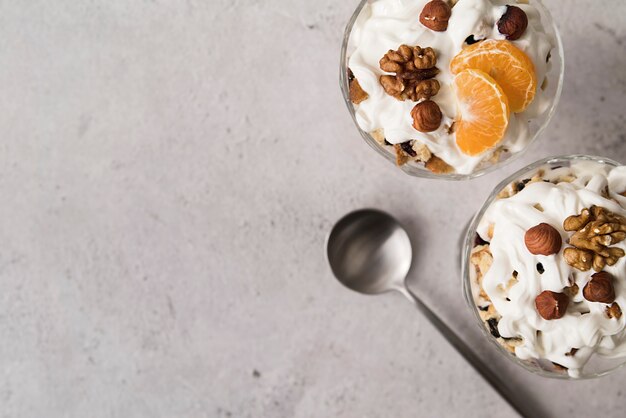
<point x="506" y="64"/>
<point x="483" y="113"/>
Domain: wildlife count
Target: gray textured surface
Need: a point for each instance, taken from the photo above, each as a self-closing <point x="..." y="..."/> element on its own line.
<point x="169" y="172"/>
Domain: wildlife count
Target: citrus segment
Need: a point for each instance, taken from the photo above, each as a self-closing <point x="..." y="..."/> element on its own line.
<point x="505" y="63"/>
<point x="483" y="113"/>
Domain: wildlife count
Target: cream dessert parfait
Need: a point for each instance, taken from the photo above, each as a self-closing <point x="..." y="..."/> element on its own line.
<point x="548" y="272"/>
<point x="449" y="84"/>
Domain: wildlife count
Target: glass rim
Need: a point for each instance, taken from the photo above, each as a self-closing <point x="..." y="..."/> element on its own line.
<point x="468" y="245"/>
<point x="417" y="171"/>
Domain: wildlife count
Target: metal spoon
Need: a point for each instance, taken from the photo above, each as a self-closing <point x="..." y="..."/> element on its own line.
<point x="370" y="252"/>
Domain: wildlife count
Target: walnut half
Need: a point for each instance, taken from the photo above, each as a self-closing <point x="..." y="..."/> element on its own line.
<point x="414" y="69"/>
<point x="597" y="229"/>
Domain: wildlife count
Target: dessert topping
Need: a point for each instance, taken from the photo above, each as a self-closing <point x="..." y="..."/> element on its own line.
<point x="406" y="147"/>
<point x="425" y="89"/>
<point x="484" y="112"/>
<point x="426" y="116"/>
<point x="402" y="157"/>
<point x="572" y="290"/>
<point x="411" y="150"/>
<point x="551" y="305"/>
<point x="543" y="239"/>
<point x="513" y="23"/>
<point x="508" y="65"/>
<point x="393" y="86"/>
<point x="414" y="68"/>
<point x="493" y="327"/>
<point x="438" y="166"/>
<point x="614" y="311"/>
<point x="596" y="230"/>
<point x="424" y="58"/>
<point x="435" y="15"/>
<point x="408" y="59"/>
<point x="470" y="40"/>
<point x="357" y="94"/>
<point x="540" y="268"/>
<point x="600" y="288"/>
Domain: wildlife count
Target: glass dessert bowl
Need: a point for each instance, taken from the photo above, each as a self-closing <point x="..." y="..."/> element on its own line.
<point x="544" y="270"/>
<point x="451" y="89"/>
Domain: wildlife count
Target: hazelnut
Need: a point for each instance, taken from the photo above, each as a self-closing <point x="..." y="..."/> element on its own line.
<point x="543" y="239"/>
<point x="600" y="288"/>
<point x="426" y="116"/>
<point x="435" y="15"/>
<point x="513" y="23"/>
<point x="551" y="305"/>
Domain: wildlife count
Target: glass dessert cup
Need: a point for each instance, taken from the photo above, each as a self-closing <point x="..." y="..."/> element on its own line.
<point x="597" y="365"/>
<point x="554" y="78"/>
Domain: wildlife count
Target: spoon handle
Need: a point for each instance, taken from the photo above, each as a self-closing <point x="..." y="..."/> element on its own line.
<point x="496" y="383"/>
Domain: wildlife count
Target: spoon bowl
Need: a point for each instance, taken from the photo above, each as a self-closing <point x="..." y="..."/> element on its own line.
<point x="369" y="252"/>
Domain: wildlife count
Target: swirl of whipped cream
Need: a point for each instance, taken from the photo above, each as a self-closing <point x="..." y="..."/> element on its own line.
<point x="387" y="24"/>
<point x="585" y="325"/>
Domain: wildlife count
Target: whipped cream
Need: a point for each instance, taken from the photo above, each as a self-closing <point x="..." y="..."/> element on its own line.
<point x="387" y="24"/>
<point x="585" y="325"/>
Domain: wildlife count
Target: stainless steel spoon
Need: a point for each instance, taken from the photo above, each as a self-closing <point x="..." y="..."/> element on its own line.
<point x="370" y="252"/>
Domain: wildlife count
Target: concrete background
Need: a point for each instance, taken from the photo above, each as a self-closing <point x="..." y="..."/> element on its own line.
<point x="169" y="171"/>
